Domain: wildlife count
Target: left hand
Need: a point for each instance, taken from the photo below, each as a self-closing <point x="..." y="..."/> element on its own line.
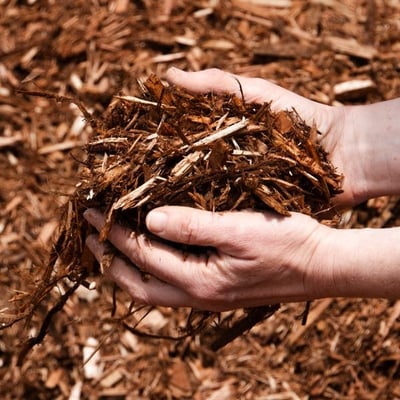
<point x="259" y="258"/>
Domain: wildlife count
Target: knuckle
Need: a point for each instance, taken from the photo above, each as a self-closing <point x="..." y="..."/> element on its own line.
<point x="208" y="294"/>
<point x="216" y="72"/>
<point x="140" y="296"/>
<point x="136" y="251"/>
<point x="138" y="293"/>
<point x="189" y="229"/>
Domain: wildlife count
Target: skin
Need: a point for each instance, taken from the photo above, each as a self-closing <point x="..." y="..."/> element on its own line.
<point x="261" y="258"/>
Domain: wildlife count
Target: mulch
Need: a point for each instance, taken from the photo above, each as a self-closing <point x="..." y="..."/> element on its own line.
<point x="330" y="51"/>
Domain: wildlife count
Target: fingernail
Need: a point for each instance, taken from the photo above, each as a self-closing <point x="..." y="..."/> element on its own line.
<point x="156" y="221"/>
<point x="91" y="241"/>
<point x="88" y="214"/>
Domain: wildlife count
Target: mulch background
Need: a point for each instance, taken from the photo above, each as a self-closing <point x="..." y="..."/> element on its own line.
<point x="331" y="51"/>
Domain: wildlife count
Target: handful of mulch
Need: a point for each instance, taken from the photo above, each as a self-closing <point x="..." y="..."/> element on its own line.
<point x="213" y="152"/>
<point x="166" y="146"/>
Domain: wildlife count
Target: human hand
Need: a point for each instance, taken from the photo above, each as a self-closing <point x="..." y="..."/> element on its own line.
<point x="332" y="122"/>
<point x="259" y="258"/>
<point x="257" y="90"/>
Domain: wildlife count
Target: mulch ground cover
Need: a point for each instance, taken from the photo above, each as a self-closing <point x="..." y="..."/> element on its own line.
<point x="334" y="52"/>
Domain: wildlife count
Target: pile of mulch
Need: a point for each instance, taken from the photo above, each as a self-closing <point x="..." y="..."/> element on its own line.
<point x="333" y="52"/>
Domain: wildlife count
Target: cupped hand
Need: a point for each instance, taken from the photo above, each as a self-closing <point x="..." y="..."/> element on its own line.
<point x="254" y="90"/>
<point x="258" y="258"/>
<point x="334" y="123"/>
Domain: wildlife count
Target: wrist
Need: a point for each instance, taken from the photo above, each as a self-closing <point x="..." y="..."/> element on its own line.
<point x="362" y="263"/>
<point x="370" y="144"/>
<point x="320" y="280"/>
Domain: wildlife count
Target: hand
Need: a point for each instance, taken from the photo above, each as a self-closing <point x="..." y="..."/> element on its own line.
<point x="330" y="121"/>
<point x="259" y="258"/>
<point x="361" y="141"/>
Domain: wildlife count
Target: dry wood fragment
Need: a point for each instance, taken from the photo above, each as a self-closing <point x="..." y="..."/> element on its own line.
<point x="339" y="6"/>
<point x="120" y="6"/>
<point x="66" y="145"/>
<point x="353" y="88"/>
<point x="9" y="141"/>
<point x="394" y="315"/>
<point x="351" y="47"/>
<point x="168" y="57"/>
<point x="313" y="316"/>
<point x="111" y="379"/>
<point x="284" y="51"/>
<point x="268" y="3"/>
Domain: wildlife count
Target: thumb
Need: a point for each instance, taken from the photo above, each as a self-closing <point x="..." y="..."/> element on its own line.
<point x="185" y="225"/>
<point x="208" y="80"/>
<point x="254" y="90"/>
<point x="191" y="226"/>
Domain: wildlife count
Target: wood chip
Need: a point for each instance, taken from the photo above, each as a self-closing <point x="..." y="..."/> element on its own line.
<point x="54" y="378"/>
<point x="111" y="379"/>
<point x="354" y="88"/>
<point x="92" y="365"/>
<point x="9" y="141"/>
<point x="351" y="47"/>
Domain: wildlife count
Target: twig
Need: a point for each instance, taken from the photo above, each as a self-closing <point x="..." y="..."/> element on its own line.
<point x="254" y="316"/>
<point x="129" y="200"/>
<point x="222" y="133"/>
<point x="46" y="323"/>
<point x="134" y="99"/>
<point x="9" y="141"/>
<point x="312" y="317"/>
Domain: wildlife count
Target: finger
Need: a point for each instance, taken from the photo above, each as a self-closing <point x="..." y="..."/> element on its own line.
<point x="218" y="81"/>
<point x="140" y="250"/>
<point x="228" y="232"/>
<point x="150" y="290"/>
<point x="209" y="80"/>
<point x="135" y="247"/>
<point x="255" y="90"/>
<point x="165" y="262"/>
<point x="178" y="224"/>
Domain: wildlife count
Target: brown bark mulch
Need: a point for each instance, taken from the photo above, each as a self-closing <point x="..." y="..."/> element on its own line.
<point x="333" y="52"/>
